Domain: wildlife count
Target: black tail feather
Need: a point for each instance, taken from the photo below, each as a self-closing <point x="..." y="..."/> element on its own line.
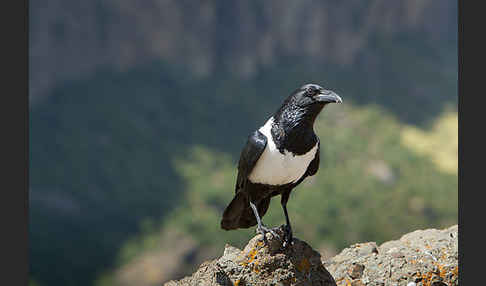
<point x="238" y="214"/>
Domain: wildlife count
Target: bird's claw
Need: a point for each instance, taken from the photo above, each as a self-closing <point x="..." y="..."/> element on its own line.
<point x="288" y="237"/>
<point x="263" y="230"/>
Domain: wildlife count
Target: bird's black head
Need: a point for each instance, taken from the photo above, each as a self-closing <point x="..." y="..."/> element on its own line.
<point x="313" y="94"/>
<point x="305" y="103"/>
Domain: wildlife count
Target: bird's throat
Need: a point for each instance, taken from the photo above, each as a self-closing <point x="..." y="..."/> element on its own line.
<point x="297" y="137"/>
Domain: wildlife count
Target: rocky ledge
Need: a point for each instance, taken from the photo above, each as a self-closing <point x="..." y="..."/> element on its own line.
<point x="421" y="258"/>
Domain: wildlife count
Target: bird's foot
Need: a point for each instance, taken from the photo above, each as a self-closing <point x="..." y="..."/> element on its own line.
<point x="288" y="237"/>
<point x="264" y="230"/>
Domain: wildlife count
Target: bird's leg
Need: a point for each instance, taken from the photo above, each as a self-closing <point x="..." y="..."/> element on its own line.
<point x="288" y="228"/>
<point x="261" y="228"/>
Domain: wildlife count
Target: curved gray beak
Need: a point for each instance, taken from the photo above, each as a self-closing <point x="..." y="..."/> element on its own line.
<point x="329" y="96"/>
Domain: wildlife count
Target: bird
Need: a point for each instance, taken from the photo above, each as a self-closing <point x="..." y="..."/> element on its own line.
<point x="277" y="158"/>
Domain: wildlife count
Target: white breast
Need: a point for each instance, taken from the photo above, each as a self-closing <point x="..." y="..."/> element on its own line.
<point x="275" y="168"/>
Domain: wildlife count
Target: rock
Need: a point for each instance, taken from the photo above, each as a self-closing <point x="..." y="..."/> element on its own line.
<point x="423" y="257"/>
<point x="420" y="258"/>
<point x="263" y="264"/>
<point x="356" y="271"/>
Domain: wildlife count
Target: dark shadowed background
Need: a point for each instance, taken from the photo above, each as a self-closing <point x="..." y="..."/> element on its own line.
<point x="138" y="111"/>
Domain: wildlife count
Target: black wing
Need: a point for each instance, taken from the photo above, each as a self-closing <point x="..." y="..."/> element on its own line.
<point x="249" y="156"/>
<point x="238" y="213"/>
<point x="314" y="164"/>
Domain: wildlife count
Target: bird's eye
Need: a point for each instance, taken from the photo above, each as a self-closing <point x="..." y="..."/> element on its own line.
<point x="310" y="91"/>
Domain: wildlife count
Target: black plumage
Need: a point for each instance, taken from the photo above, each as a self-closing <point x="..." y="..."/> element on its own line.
<point x="277" y="158"/>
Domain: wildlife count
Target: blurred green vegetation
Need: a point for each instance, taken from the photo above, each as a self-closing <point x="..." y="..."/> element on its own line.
<point x="119" y="157"/>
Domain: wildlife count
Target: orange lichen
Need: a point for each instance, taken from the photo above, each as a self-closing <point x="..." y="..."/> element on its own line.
<point x="346" y="282"/>
<point x="442" y="272"/>
<point x="455" y="271"/>
<point x="256" y="266"/>
<point x="251" y="258"/>
<point x="425" y="277"/>
<point x="304" y="265"/>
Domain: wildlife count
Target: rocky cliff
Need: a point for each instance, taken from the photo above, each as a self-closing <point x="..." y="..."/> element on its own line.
<point x="71" y="39"/>
<point x="420" y="258"/>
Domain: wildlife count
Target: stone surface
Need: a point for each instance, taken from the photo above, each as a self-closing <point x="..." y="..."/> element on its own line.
<point x="261" y="263"/>
<point x="420" y="258"/>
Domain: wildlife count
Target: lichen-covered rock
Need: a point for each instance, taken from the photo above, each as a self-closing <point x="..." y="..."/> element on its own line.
<point x="422" y="258"/>
<point x="261" y="263"/>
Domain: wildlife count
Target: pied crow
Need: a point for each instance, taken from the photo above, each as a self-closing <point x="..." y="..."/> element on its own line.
<point x="276" y="158"/>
